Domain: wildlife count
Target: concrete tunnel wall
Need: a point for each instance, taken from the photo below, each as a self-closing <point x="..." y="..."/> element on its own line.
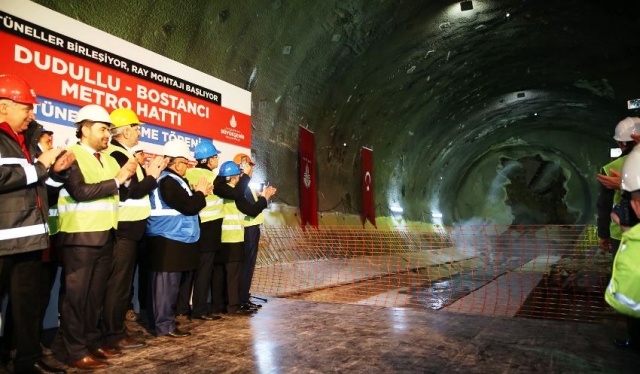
<point x="470" y="114"/>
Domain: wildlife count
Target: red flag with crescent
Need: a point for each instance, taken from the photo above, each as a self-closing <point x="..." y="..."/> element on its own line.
<point x="368" y="205"/>
<point x="308" y="194"/>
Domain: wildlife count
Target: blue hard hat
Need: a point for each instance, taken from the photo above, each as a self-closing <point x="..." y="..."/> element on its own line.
<point x="229" y="169"/>
<point x="205" y="149"/>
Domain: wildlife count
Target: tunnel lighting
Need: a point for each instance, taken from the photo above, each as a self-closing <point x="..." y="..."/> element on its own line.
<point x="615" y="152"/>
<point x="436" y="215"/>
<point x="508" y="15"/>
<point x="396" y="209"/>
<point x="466" y="5"/>
<point x="344" y="144"/>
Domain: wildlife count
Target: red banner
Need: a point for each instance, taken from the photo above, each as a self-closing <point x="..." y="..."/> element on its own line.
<point x="368" y="205"/>
<point x="71" y="79"/>
<point x="308" y="195"/>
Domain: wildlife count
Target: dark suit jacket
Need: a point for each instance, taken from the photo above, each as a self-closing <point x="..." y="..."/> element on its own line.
<point x="82" y="191"/>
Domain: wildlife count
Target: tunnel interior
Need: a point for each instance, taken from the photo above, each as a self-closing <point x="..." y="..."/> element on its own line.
<point x="504" y="112"/>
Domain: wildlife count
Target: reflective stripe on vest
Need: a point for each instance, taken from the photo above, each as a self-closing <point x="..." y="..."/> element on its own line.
<point x="615" y="231"/>
<point x="232" y="223"/>
<point x="213" y="210"/>
<point x="92" y="215"/>
<point x="257" y="220"/>
<point x="623" y="293"/>
<point x="29" y="170"/>
<point x="132" y="210"/>
<point x="169" y="223"/>
<point x="21" y="232"/>
<point x="53" y="221"/>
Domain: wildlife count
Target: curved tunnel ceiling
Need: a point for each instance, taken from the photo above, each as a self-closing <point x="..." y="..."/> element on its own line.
<point x="467" y="112"/>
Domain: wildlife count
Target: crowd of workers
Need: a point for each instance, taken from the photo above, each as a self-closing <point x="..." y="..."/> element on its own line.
<point x="618" y="229"/>
<point x="98" y="209"/>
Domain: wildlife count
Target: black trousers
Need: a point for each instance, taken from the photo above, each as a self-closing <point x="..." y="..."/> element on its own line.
<point x="202" y="284"/>
<point x="117" y="297"/>
<point x="251" y="241"/>
<point x="183" y="304"/>
<point x="21" y="279"/>
<point x="226" y="277"/>
<point x="86" y="272"/>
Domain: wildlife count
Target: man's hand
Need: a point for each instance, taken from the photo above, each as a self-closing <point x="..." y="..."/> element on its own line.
<point x="611" y="182"/>
<point x="268" y="192"/>
<point x="156" y="166"/>
<point x="49" y="157"/>
<point x="64" y="162"/>
<point x="247" y="169"/>
<point x="126" y="171"/>
<point x="203" y="186"/>
<point x="605" y="244"/>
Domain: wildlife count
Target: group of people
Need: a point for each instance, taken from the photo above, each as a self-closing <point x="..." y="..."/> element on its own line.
<point x="618" y="229"/>
<point x="99" y="209"/>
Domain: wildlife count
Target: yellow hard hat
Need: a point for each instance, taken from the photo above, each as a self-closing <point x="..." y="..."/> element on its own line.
<point x="124" y="117"/>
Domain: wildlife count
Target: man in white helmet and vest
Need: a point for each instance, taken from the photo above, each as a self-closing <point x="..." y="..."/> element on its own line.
<point x="610" y="232"/>
<point x="173" y="231"/>
<point x="132" y="222"/>
<point x="88" y="217"/>
<point x="209" y="244"/>
<point x="23" y="217"/>
<point x="623" y="291"/>
<point x="230" y="184"/>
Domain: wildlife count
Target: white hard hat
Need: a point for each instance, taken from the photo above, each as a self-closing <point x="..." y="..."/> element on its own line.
<point x="94" y="113"/>
<point x="177" y="148"/>
<point x="627" y="127"/>
<point x="631" y="171"/>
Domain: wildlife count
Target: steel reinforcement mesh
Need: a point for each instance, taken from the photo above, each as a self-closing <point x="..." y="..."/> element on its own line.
<point x="551" y="272"/>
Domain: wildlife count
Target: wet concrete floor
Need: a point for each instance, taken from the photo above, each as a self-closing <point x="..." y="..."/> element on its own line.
<point x="295" y="336"/>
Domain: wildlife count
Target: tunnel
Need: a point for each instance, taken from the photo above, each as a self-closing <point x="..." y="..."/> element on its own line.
<point x="470" y="113"/>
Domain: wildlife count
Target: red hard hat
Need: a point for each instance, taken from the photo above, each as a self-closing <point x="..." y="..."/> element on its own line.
<point x="15" y="88"/>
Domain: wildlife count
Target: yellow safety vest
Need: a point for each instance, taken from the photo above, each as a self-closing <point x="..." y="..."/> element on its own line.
<point x="623" y="293"/>
<point x="615" y="231"/>
<point x="213" y="209"/>
<point x="232" y="223"/>
<point x="132" y="210"/>
<point x="92" y="215"/>
<point x="257" y="220"/>
<point x="53" y="221"/>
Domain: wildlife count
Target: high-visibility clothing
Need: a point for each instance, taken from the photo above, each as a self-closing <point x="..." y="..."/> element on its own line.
<point x="92" y="215"/>
<point x="623" y="293"/>
<point x="252" y="221"/>
<point x="132" y="209"/>
<point x="232" y="223"/>
<point x="169" y="223"/>
<point x="615" y="231"/>
<point x="213" y="210"/>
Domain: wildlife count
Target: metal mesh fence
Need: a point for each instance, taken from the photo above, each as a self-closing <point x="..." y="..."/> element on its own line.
<point x="553" y="272"/>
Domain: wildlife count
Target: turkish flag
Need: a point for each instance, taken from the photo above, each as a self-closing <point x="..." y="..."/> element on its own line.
<point x="368" y="205"/>
<point x="308" y="194"/>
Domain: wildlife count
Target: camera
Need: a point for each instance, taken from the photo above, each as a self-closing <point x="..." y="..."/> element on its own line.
<point x="625" y="213"/>
<point x="633" y="104"/>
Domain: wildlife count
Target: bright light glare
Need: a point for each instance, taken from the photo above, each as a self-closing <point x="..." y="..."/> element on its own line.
<point x="396" y="209"/>
<point x="615" y="152"/>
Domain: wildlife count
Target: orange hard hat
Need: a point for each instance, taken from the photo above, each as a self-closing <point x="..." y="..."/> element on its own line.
<point x="242" y="158"/>
<point x="16" y="89"/>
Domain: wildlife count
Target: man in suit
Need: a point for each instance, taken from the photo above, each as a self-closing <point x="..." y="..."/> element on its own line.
<point x="88" y="217"/>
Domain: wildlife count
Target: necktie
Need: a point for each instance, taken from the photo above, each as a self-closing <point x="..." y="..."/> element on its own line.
<point x="97" y="155"/>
